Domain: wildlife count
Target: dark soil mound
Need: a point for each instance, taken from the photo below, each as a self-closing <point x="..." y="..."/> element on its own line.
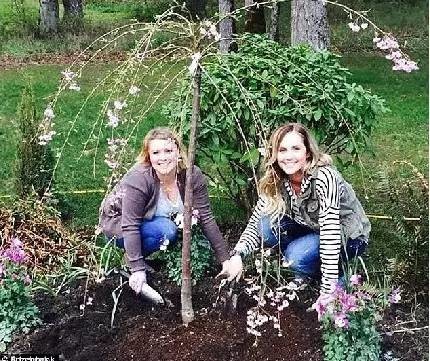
<point x="144" y="332"/>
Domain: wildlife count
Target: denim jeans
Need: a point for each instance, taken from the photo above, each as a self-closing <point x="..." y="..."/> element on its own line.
<point x="153" y="233"/>
<point x="300" y="245"/>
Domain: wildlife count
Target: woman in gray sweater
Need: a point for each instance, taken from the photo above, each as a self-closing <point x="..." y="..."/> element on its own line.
<point x="137" y="213"/>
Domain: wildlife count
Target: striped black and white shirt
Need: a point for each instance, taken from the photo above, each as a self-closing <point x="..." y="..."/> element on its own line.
<point x="327" y="187"/>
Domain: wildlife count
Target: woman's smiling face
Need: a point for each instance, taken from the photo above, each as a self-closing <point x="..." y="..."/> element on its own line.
<point x="163" y="155"/>
<point x="292" y="154"/>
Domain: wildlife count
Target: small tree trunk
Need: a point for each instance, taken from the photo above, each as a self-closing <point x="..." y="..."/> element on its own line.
<point x="226" y="26"/>
<point x="309" y="24"/>
<point x="255" y="21"/>
<point x="272" y="27"/>
<point x="187" y="311"/>
<point x="48" y="17"/>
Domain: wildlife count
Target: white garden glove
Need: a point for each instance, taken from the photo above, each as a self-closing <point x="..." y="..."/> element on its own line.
<point x="137" y="283"/>
<point x="232" y="268"/>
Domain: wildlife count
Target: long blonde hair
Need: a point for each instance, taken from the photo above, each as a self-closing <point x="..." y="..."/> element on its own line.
<point x="165" y="134"/>
<point x="270" y="185"/>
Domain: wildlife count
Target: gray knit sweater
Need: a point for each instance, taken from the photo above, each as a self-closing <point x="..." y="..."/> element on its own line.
<point x="134" y="199"/>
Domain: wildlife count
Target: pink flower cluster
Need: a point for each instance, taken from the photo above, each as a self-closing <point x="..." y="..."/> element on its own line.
<point x="337" y="305"/>
<point x="389" y="45"/>
<point x="14" y="253"/>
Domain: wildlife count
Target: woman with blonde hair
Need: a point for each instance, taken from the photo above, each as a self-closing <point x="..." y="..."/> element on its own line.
<point x="306" y="208"/>
<point x="137" y="213"/>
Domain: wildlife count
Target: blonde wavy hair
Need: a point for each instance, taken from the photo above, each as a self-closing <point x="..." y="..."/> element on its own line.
<point x="165" y="134"/>
<point x="270" y="185"/>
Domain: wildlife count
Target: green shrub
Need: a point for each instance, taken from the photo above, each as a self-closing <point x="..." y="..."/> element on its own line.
<point x="260" y="87"/>
<point x="201" y="257"/>
<point x="34" y="162"/>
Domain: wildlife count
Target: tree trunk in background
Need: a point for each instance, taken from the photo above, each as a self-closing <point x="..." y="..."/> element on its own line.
<point x="272" y="26"/>
<point x="197" y="8"/>
<point x="48" y="17"/>
<point x="255" y="21"/>
<point x="73" y="15"/>
<point x="309" y="24"/>
<point x="73" y="8"/>
<point x="226" y="26"/>
<point x="187" y="311"/>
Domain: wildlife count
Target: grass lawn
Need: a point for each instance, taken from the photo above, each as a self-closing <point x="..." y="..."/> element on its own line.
<point x="399" y="135"/>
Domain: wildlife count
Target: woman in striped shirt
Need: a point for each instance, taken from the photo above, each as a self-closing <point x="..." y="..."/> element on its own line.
<point x="305" y="208"/>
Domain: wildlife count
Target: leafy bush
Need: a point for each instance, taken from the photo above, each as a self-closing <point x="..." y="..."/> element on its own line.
<point x="263" y="85"/>
<point x="17" y="311"/>
<point x="201" y="257"/>
<point x="34" y="162"/>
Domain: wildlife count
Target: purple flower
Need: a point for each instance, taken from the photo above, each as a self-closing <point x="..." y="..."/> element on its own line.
<point x="348" y="303"/>
<point x="355" y="280"/>
<point x="16" y="243"/>
<point x="15" y="253"/>
<point x="341" y="321"/>
<point x="321" y="304"/>
<point x="27" y="280"/>
<point x="395" y="296"/>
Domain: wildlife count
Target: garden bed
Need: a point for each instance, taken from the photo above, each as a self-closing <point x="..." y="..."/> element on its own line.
<point x="144" y="332"/>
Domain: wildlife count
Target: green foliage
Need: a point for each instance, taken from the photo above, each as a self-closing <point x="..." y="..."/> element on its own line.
<point x="262" y="86"/>
<point x="407" y="242"/>
<point x="349" y="319"/>
<point x="201" y="257"/>
<point x="35" y="162"/>
<point x="139" y="10"/>
<point x="17" y="18"/>
<point x="360" y="343"/>
<point x="17" y="311"/>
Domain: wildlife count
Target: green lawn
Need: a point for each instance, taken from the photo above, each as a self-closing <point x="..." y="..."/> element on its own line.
<point x="399" y="135"/>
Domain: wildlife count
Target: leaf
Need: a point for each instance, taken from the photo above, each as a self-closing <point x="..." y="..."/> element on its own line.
<point x="317" y="114"/>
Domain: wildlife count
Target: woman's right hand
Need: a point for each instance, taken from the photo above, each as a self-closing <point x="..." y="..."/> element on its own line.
<point x="137" y="282"/>
<point x="232" y="268"/>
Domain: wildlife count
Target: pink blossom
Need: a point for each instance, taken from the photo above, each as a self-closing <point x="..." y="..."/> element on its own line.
<point x="404" y="64"/>
<point x="386" y="43"/>
<point x="341" y="321"/>
<point x="27" y="280"/>
<point x="321" y="304"/>
<point x="16" y="242"/>
<point x="349" y="303"/>
<point x="355" y="279"/>
<point x="395" y="296"/>
<point x="15" y="253"/>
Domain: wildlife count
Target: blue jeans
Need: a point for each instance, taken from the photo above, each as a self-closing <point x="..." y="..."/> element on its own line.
<point x="300" y="245"/>
<point x="153" y="233"/>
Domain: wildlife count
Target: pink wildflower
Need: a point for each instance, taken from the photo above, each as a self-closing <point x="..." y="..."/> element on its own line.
<point x="355" y="280"/>
<point x="395" y="296"/>
<point x="321" y="304"/>
<point x="15" y="253"/>
<point x="27" y="280"/>
<point x="341" y="321"/>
